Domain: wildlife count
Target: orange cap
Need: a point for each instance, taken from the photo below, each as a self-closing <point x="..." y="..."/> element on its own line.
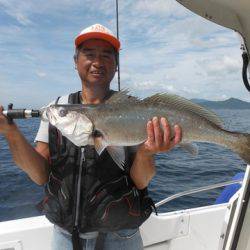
<point x="97" y="31"/>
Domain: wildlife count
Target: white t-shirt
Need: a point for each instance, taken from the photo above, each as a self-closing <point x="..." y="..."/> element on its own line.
<point x="43" y="131"/>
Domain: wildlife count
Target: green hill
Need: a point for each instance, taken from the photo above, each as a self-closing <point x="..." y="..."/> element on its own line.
<point x="231" y="103"/>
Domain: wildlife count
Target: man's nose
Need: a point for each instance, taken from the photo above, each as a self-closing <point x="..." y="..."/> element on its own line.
<point x="98" y="61"/>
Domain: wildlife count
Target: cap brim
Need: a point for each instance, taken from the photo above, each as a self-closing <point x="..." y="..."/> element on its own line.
<point x="97" y="35"/>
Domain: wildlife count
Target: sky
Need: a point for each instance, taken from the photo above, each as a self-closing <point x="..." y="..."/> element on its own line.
<point x="165" y="48"/>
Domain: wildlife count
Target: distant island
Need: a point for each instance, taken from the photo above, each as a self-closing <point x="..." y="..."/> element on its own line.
<point x="231" y="103"/>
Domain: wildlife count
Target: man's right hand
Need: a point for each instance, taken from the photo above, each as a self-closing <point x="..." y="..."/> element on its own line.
<point x="33" y="161"/>
<point x="5" y="127"/>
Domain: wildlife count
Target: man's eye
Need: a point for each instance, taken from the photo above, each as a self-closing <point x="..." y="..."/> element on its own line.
<point x="90" y="54"/>
<point x="106" y="56"/>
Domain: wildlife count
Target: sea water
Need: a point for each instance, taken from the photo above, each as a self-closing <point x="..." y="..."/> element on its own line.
<point x="177" y="171"/>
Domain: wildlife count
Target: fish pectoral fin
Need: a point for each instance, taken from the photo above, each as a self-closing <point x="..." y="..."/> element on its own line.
<point x="190" y="147"/>
<point x="100" y="144"/>
<point x="118" y="155"/>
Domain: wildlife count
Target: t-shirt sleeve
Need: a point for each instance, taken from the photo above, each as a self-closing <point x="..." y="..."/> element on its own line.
<point x="43" y="132"/>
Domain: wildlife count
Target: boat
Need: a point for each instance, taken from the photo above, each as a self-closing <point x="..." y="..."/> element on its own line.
<point x="215" y="227"/>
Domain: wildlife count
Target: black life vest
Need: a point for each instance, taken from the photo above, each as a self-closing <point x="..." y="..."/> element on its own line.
<point x="87" y="192"/>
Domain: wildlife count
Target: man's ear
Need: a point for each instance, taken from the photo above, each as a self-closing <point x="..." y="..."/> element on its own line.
<point x="75" y="59"/>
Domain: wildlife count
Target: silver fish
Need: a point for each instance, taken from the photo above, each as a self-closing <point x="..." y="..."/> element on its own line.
<point x="121" y="121"/>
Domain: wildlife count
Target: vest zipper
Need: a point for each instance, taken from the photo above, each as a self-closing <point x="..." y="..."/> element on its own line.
<point x="75" y="233"/>
<point x="63" y="194"/>
<point x="79" y="186"/>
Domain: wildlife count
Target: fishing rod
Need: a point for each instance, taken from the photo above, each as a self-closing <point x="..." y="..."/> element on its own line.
<point x="11" y="113"/>
<point x="118" y="54"/>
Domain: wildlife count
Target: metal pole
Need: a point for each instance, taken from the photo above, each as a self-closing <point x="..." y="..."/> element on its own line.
<point x="118" y="55"/>
<point x="197" y="190"/>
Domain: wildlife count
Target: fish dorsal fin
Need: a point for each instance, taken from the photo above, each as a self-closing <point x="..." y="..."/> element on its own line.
<point x="182" y="104"/>
<point x="121" y="97"/>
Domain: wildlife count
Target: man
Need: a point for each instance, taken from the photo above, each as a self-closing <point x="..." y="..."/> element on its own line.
<point x="77" y="177"/>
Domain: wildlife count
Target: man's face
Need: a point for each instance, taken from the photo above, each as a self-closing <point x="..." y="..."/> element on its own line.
<point x="96" y="62"/>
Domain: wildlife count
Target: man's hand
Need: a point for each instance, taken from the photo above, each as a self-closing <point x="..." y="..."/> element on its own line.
<point x="159" y="137"/>
<point x="5" y="127"/>
<point x="159" y="140"/>
<point x="33" y="162"/>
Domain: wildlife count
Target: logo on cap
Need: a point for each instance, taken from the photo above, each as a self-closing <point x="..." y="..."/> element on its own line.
<point x="100" y="28"/>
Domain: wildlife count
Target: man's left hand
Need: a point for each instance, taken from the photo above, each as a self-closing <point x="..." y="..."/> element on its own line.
<point x="159" y="137"/>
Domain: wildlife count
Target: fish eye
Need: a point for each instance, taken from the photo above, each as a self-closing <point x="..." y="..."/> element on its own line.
<point x="62" y="112"/>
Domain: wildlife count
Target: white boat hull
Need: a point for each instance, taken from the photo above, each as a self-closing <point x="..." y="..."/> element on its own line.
<point x="192" y="229"/>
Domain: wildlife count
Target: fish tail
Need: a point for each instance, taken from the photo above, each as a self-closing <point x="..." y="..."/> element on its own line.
<point x="242" y="146"/>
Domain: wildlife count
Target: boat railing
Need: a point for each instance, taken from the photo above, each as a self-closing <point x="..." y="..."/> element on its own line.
<point x="197" y="190"/>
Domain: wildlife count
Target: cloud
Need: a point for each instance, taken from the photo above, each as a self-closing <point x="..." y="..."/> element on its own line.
<point x="41" y="74"/>
<point x="160" y="7"/>
<point x="22" y="19"/>
<point x="213" y="41"/>
<point x="17" y="10"/>
<point x="165" y="48"/>
<point x="225" y="64"/>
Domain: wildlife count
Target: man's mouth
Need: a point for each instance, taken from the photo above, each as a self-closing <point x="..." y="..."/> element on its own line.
<point x="97" y="72"/>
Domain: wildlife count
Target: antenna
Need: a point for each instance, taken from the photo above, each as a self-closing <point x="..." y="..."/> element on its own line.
<point x="117" y="35"/>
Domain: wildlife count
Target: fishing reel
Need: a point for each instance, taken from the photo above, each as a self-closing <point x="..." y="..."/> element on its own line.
<point x="11" y="113"/>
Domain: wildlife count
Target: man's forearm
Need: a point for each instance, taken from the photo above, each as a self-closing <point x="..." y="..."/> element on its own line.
<point x="26" y="157"/>
<point x="142" y="170"/>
